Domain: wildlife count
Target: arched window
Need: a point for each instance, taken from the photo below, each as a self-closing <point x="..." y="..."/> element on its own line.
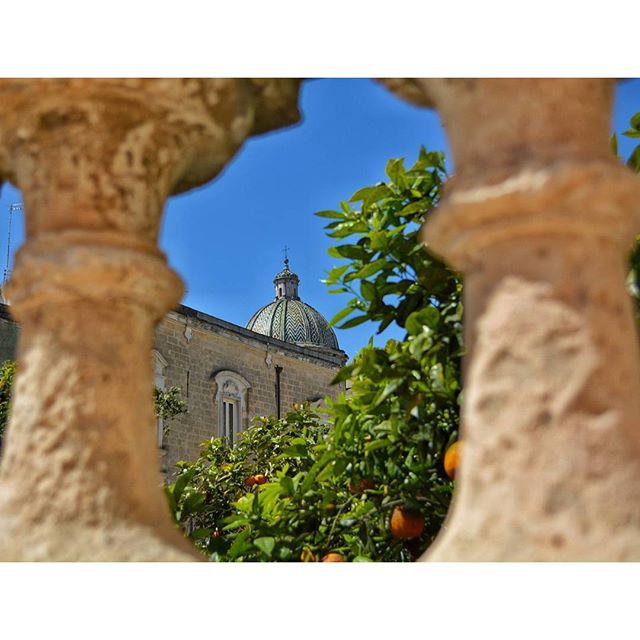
<point x="230" y="398"/>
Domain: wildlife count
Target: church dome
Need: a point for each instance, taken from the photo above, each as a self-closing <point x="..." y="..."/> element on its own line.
<point x="289" y="319"/>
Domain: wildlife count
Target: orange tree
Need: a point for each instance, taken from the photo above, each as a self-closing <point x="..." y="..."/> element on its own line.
<point x="7" y="373"/>
<point x="370" y="484"/>
<point x="213" y="497"/>
<point x="336" y="488"/>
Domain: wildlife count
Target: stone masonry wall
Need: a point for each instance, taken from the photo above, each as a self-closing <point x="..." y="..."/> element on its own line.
<point x="215" y="345"/>
<point x="8" y="335"/>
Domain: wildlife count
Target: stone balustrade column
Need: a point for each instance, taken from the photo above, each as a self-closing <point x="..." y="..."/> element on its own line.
<point x="96" y="160"/>
<point x="540" y="217"/>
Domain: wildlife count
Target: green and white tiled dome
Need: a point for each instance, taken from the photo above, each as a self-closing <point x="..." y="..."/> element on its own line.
<point x="289" y="319"/>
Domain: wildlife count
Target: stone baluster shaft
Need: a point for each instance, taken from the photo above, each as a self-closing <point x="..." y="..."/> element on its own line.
<point x="96" y="160"/>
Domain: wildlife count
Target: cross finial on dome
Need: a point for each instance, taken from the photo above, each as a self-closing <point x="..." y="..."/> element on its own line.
<point x="286" y="256"/>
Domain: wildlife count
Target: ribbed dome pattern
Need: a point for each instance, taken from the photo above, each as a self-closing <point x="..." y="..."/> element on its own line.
<point x="293" y="321"/>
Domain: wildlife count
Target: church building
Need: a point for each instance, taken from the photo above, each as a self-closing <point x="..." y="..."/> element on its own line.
<point x="230" y="374"/>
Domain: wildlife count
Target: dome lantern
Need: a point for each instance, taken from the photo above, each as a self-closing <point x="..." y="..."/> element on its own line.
<point x="286" y="283"/>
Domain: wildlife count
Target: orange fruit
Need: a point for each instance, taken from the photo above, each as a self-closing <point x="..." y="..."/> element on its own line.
<point x="259" y="478"/>
<point x="362" y="486"/>
<point x="452" y="459"/>
<point x="333" y="557"/>
<point x="307" y="556"/>
<point x="366" y="484"/>
<point x="406" y="524"/>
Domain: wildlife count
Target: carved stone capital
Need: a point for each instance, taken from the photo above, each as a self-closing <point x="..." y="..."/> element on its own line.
<point x="104" y="154"/>
<point x="74" y="266"/>
<point x="531" y="156"/>
<point x="499" y="126"/>
<point x="599" y="199"/>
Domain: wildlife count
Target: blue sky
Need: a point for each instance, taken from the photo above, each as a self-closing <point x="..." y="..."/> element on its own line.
<point x="226" y="239"/>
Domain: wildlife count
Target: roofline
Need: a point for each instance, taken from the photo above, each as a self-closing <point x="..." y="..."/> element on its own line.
<point x="333" y="356"/>
<point x="315" y="352"/>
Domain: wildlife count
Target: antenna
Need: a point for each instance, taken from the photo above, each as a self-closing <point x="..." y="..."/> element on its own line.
<point x="15" y="207"/>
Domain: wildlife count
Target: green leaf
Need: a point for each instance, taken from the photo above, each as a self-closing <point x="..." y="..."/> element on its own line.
<point x="368" y="290"/>
<point x="416" y="322"/>
<point x="326" y="472"/>
<point x="168" y="490"/>
<point x="198" y="534"/>
<point x="336" y="273"/>
<point x="396" y="172"/>
<point x="181" y="482"/>
<point x="380" y="443"/>
<point x="266" y="545"/>
<point x="369" y="195"/>
<point x="373" y="267"/>
<point x="192" y="503"/>
<point x="340" y="315"/>
<point x="314" y="471"/>
<point x="330" y="214"/>
<point x="239" y="544"/>
<point x="287" y="486"/>
<point x="350" y="251"/>
<point x="389" y="388"/>
<point x="379" y="240"/>
<point x="414" y="207"/>
<point x="344" y="374"/>
<point x="296" y="451"/>
<point x="354" y="322"/>
<point x="233" y="522"/>
<point x="634" y="160"/>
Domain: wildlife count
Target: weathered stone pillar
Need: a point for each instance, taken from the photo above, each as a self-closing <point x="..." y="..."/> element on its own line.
<point x="96" y="160"/>
<point x="540" y="218"/>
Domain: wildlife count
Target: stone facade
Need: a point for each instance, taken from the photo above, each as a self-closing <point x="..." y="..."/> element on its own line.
<point x="197" y="346"/>
<point x="9" y="332"/>
<point x="192" y="347"/>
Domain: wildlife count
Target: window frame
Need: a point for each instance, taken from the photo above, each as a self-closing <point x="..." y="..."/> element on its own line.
<point x="231" y="389"/>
